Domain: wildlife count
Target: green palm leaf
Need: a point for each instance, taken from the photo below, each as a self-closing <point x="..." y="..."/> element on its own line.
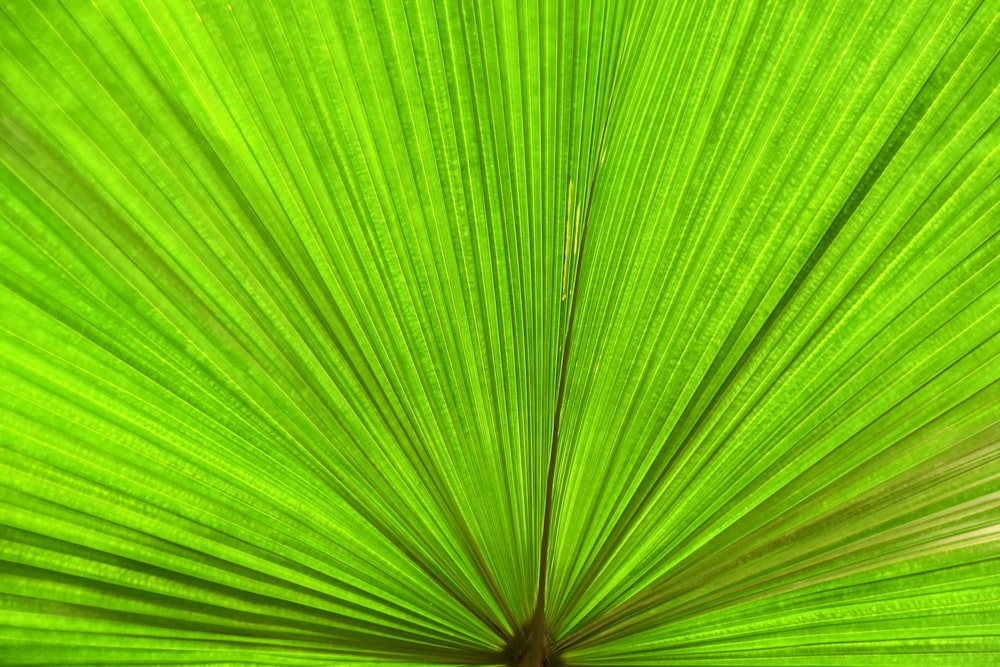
<point x="611" y="333"/>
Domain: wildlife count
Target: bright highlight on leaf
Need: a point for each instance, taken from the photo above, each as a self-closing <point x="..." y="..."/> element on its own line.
<point x="625" y="332"/>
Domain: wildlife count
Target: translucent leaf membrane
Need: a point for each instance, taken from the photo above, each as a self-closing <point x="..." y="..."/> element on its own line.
<point x="303" y="305"/>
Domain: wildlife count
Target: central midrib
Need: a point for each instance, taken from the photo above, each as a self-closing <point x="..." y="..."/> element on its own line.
<point x="536" y="642"/>
<point x="536" y="648"/>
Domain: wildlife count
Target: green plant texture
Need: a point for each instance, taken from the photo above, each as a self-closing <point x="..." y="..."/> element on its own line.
<point x="500" y="332"/>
